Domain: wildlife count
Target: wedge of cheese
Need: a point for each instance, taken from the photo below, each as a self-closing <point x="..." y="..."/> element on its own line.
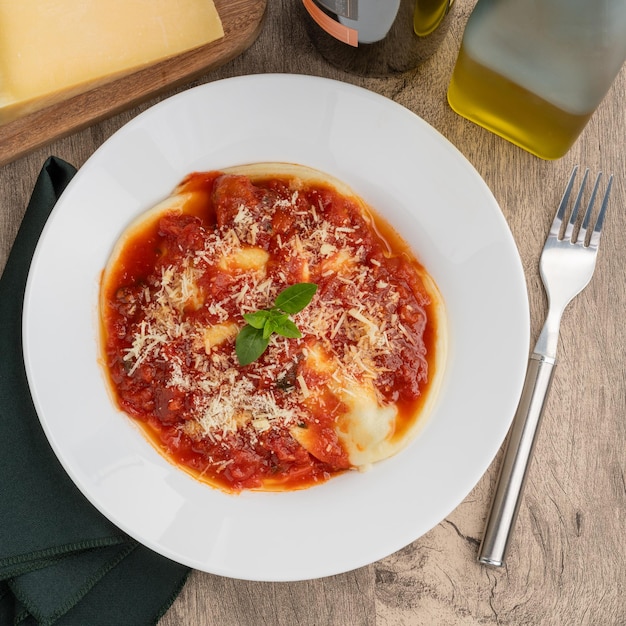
<point x="54" y="49"/>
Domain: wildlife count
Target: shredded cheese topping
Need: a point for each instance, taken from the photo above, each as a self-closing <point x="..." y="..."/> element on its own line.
<point x="355" y="322"/>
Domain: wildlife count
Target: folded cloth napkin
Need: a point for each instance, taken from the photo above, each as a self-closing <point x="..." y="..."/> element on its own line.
<point x="61" y="561"/>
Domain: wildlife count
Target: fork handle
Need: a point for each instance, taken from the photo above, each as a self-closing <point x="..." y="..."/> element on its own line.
<point x="517" y="457"/>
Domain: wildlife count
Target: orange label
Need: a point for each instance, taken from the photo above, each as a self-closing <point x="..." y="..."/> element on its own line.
<point x="332" y="27"/>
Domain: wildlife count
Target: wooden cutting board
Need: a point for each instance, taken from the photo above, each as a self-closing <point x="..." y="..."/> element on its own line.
<point x="242" y="21"/>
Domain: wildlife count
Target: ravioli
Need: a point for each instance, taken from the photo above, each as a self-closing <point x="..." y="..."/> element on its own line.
<point x="351" y="391"/>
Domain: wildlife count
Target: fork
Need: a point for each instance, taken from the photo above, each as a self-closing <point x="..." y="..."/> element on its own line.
<point x="566" y="266"/>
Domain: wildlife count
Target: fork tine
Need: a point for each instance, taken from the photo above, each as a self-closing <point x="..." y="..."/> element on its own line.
<point x="594" y="240"/>
<point x="555" y="229"/>
<point x="569" y="230"/>
<point x="582" y="235"/>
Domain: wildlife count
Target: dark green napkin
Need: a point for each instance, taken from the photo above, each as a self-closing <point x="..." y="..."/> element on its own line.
<point x="61" y="561"/>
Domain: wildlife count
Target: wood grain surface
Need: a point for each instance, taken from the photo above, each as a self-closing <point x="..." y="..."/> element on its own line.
<point x="242" y="21"/>
<point x="567" y="563"/>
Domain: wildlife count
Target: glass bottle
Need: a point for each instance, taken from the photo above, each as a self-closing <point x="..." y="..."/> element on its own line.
<point x="376" y="37"/>
<point x="534" y="71"/>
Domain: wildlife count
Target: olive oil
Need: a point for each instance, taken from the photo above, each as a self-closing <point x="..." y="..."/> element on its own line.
<point x="535" y="72"/>
<point x="516" y="114"/>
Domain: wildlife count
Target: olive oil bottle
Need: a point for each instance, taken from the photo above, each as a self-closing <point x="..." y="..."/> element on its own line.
<point x="376" y="37"/>
<point x="534" y="71"/>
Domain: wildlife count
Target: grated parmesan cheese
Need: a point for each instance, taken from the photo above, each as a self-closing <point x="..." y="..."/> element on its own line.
<point x="347" y="335"/>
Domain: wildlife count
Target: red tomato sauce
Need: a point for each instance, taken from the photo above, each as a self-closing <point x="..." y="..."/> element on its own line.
<point x="176" y="387"/>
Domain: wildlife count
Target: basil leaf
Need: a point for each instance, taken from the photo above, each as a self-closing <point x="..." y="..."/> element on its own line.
<point x="288" y="329"/>
<point x="269" y="328"/>
<point x="253" y="339"/>
<point x="250" y="344"/>
<point x="257" y="319"/>
<point x="274" y="320"/>
<point x="293" y="299"/>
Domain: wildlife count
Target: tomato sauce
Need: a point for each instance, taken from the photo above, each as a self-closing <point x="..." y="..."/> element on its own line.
<point x="172" y="280"/>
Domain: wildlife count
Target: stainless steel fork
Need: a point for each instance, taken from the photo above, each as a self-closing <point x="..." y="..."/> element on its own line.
<point x="566" y="266"/>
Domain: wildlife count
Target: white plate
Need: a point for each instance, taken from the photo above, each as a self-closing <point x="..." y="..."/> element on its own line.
<point x="409" y="173"/>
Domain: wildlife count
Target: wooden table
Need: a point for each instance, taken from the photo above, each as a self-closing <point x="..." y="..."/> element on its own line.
<point x="567" y="563"/>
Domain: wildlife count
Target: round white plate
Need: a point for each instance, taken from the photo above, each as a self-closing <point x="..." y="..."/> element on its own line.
<point x="405" y="170"/>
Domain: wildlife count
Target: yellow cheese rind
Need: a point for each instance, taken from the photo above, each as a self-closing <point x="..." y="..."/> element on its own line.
<point x="53" y="49"/>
